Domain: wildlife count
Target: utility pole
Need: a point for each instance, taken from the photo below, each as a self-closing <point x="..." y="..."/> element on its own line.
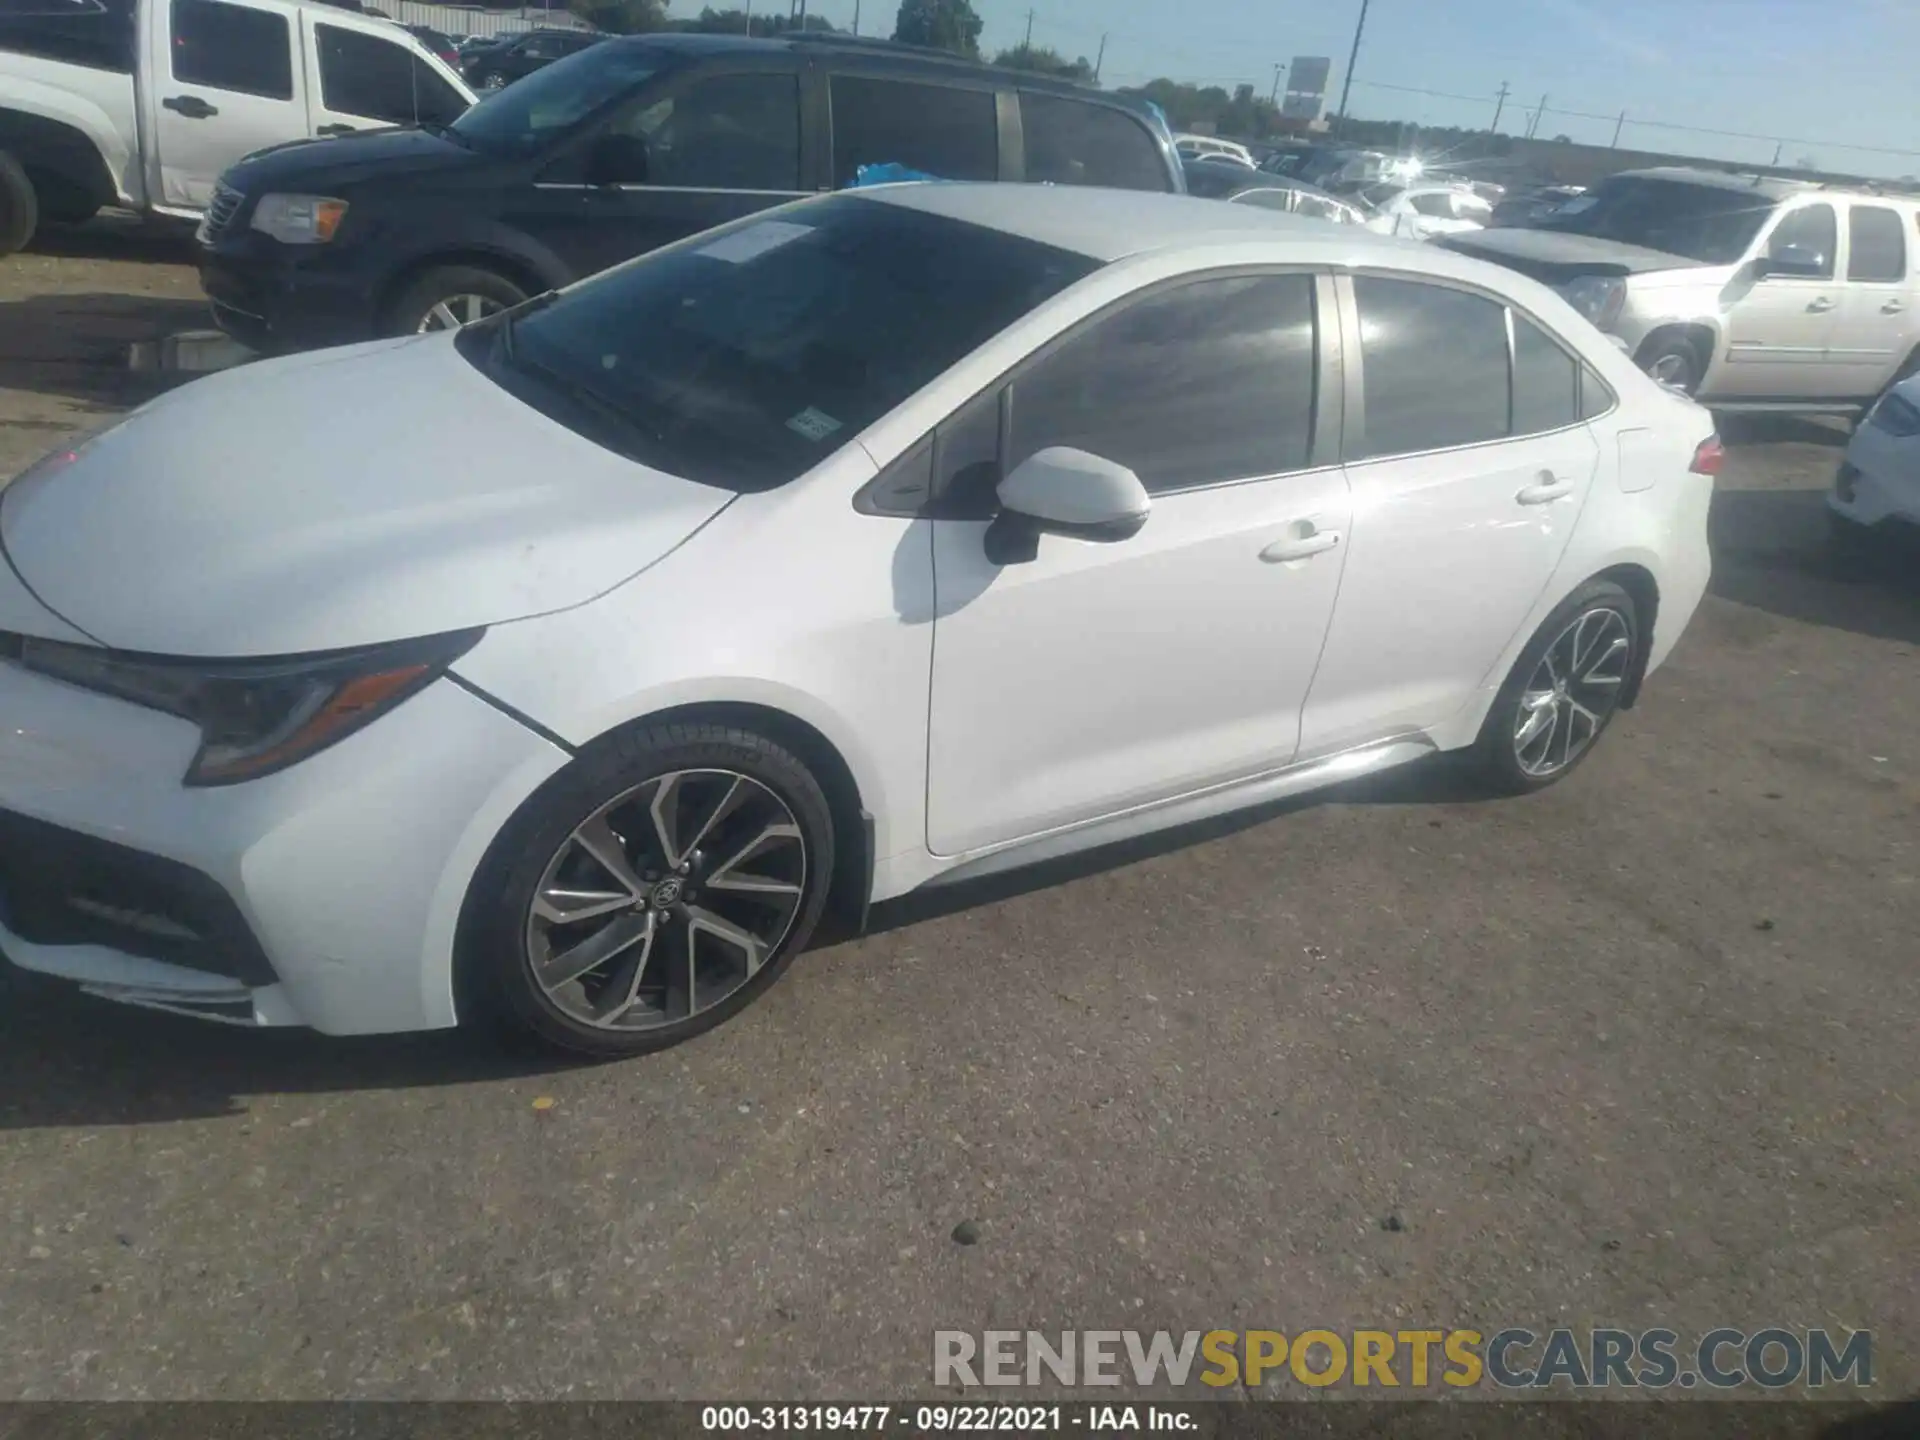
<point x="749" y="18"/>
<point x="1499" y="105"/>
<point x="1777" y="150"/>
<point x="1099" y="59"/>
<point x="1028" y="43"/>
<point x="1534" y="124"/>
<point x="856" y="19"/>
<point x="1346" y="85"/>
<point x="1274" y="97"/>
<point x="1618" y="126"/>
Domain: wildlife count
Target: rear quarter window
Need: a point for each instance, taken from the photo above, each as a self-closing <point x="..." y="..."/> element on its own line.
<point x="1078" y="142"/>
<point x="948" y="131"/>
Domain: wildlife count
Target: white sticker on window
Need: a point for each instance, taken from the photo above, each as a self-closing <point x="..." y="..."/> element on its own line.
<point x="814" y="424"/>
<point x="754" y="241"/>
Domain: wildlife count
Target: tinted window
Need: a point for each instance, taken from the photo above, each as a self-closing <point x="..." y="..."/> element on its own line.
<point x="1711" y="223"/>
<point x="936" y="129"/>
<point x="1812" y="228"/>
<point x="1211" y="381"/>
<point x="230" y="47"/>
<point x="1435" y="362"/>
<point x="728" y="132"/>
<point x="967" y="460"/>
<point x="96" y="33"/>
<point x="532" y="113"/>
<point x="1877" y="244"/>
<point x="1264" y="199"/>
<point x="749" y="354"/>
<point x="1596" y="397"/>
<point x="366" y="75"/>
<point x="1071" y="142"/>
<point x="1438" y="205"/>
<point x="1546" y="381"/>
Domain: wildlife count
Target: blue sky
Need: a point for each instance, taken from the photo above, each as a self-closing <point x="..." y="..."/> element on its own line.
<point x="1827" y="76"/>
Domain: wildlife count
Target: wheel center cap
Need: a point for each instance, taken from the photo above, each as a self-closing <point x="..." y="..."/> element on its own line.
<point x="667" y="892"/>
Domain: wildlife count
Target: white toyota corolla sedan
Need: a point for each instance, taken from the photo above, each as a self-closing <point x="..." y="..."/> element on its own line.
<point x="567" y="668"/>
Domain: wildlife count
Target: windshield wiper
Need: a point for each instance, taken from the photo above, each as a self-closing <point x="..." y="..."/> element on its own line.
<point x="585" y="397"/>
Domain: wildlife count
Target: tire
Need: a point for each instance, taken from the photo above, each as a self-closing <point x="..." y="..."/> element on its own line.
<point x="1582" y="645"/>
<point x="1679" y="358"/>
<point x="19" y="207"/>
<point x="470" y="292"/>
<point x="491" y="82"/>
<point x="763" y="867"/>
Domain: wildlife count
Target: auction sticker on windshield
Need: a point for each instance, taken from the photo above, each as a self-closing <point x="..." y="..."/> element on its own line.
<point x="814" y="424"/>
<point x="755" y="240"/>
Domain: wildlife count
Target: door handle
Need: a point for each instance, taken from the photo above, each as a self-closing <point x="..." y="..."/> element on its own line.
<point x="1892" y="307"/>
<point x="1819" y="306"/>
<point x="191" y="106"/>
<point x="335" y="130"/>
<point x="1300" y="547"/>
<point x="1545" y="490"/>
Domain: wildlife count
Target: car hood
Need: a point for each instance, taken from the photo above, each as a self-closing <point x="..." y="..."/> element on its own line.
<point x="308" y="165"/>
<point x="1565" y="255"/>
<point x="335" y="499"/>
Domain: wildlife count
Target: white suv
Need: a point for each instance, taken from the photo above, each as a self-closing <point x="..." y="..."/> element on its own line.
<point x="1748" y="294"/>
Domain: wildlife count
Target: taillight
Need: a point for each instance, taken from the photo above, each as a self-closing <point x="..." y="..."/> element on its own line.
<point x="1708" y="456"/>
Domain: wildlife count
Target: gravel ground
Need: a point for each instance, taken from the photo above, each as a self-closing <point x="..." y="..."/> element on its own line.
<point x="1636" y="1051"/>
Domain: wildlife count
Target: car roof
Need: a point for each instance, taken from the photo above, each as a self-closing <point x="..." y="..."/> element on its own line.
<point x="1108" y="225"/>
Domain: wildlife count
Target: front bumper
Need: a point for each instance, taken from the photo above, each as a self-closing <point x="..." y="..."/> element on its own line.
<point x="1879" y="482"/>
<point x="326" y="895"/>
<point x="276" y="298"/>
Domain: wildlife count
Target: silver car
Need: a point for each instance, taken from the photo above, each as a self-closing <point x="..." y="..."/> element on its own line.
<point x="1746" y="293"/>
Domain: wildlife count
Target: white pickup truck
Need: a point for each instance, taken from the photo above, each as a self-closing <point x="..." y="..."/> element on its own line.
<point x="143" y="103"/>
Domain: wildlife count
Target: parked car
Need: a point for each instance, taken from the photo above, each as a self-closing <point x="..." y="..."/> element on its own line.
<point x="1343" y="171"/>
<point x="142" y="103"/>
<point x="1420" y="212"/>
<point x="441" y="45"/>
<point x="1876" y="493"/>
<point x="777" y="570"/>
<point x="1215" y="181"/>
<point x="1749" y="293"/>
<point x="520" y="55"/>
<point x="1530" y="206"/>
<point x="1209" y="147"/>
<point x="619" y="149"/>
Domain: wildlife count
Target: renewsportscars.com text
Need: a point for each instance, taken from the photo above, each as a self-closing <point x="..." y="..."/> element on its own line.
<point x="1510" y="1359"/>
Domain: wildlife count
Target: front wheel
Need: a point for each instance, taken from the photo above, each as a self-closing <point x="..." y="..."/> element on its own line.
<point x="450" y="296"/>
<point x="1675" y="362"/>
<point x="1563" y="692"/>
<point x="653" y="889"/>
<point x="19" y="206"/>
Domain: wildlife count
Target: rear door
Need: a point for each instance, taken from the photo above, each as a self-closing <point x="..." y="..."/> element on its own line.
<point x="1879" y="322"/>
<point x="1075" y="142"/>
<point x="226" y="82"/>
<point x="364" y="77"/>
<point x="950" y="129"/>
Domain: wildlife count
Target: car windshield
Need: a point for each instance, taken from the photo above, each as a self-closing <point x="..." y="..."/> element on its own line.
<point x="531" y="113"/>
<point x="1713" y="224"/>
<point x="744" y="357"/>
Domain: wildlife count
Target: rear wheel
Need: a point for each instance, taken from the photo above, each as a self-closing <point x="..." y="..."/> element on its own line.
<point x="450" y="296"/>
<point x="19" y="207"/>
<point x="1675" y="361"/>
<point x="1563" y="692"/>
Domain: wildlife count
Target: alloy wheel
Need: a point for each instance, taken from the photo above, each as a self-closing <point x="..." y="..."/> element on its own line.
<point x="1573" y="691"/>
<point x="1673" y="370"/>
<point x="666" y="900"/>
<point x="458" y="310"/>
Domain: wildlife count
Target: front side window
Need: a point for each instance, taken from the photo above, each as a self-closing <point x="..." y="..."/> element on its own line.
<point x="939" y="130"/>
<point x="363" y="74"/>
<point x="1435" y="366"/>
<point x="531" y="114"/>
<point x="1877" y="244"/>
<point x="1075" y="142"/>
<point x="723" y="132"/>
<point x="232" y="47"/>
<point x="745" y="356"/>
<point x="1813" y="232"/>
<point x="1207" y="382"/>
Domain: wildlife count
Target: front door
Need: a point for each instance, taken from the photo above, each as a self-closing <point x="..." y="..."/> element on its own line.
<point x="1467" y="480"/>
<point x="714" y="147"/>
<point x="1879" y="323"/>
<point x="1103" y="675"/>
<point x="225" y="85"/>
<point x="359" y="78"/>
<point x="1779" y="332"/>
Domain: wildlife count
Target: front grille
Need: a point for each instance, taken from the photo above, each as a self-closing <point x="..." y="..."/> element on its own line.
<point x="220" y="213"/>
<point x="58" y="887"/>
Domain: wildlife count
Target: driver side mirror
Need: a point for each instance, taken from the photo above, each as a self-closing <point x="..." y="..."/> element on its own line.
<point x="1793" y="262"/>
<point x="1063" y="491"/>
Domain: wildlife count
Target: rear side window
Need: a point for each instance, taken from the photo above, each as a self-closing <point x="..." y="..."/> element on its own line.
<point x="1877" y="248"/>
<point x="232" y="47"/>
<point x="1073" y="142"/>
<point x="940" y="130"/>
<point x="1438" y="206"/>
<point x="1435" y="362"/>
<point x="1208" y="382"/>
<point x="365" y="75"/>
<point x="1546" y="381"/>
<point x="94" y="33"/>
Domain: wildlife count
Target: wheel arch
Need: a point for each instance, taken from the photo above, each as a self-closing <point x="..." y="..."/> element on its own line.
<point x="1639" y="583"/>
<point x="1704" y="339"/>
<point x="57" y="154"/>
<point x="533" y="275"/>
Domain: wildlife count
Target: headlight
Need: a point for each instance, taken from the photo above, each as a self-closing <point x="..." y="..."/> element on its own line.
<point x="256" y="717"/>
<point x="1896" y="415"/>
<point x="1598" y="297"/>
<point x="299" y="219"/>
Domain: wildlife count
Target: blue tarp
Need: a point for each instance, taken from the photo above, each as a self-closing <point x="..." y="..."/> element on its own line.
<point x="887" y="174"/>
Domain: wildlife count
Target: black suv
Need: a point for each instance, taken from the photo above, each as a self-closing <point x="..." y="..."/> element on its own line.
<point x="617" y="150"/>
<point x="515" y="58"/>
